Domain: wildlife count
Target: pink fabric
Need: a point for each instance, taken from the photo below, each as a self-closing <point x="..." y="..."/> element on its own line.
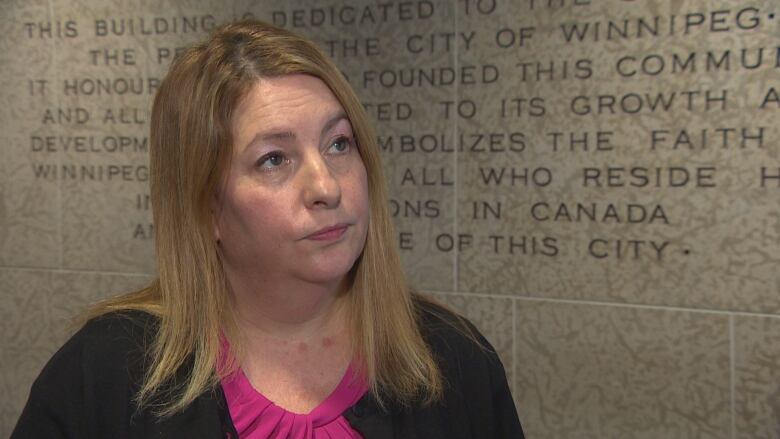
<point x="255" y="417"/>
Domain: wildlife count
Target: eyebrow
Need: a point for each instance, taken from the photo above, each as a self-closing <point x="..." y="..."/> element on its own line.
<point x="284" y="135"/>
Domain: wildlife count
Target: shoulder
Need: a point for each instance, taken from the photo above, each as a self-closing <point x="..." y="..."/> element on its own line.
<point x="108" y="348"/>
<point x="448" y="333"/>
<point x="464" y="355"/>
<point x="95" y="373"/>
<point x="87" y="389"/>
<point x="128" y="326"/>
<point x="477" y="397"/>
<point x="118" y="339"/>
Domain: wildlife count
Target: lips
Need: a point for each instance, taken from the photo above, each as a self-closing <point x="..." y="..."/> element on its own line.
<point x="329" y="233"/>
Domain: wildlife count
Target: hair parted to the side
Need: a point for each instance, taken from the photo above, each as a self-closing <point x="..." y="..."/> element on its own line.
<point x="190" y="148"/>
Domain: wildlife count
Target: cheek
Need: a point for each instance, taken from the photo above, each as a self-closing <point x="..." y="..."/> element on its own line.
<point x="360" y="189"/>
<point x="247" y="213"/>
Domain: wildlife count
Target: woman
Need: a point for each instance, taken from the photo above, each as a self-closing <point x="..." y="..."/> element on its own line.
<point x="280" y="308"/>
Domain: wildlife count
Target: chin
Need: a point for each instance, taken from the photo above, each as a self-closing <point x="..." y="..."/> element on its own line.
<point x="330" y="271"/>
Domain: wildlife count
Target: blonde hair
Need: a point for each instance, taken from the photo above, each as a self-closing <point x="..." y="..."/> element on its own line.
<point x="191" y="145"/>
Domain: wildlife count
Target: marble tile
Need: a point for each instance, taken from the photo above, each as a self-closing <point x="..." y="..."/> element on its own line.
<point x="29" y="204"/>
<point x="586" y="371"/>
<point x="493" y="317"/>
<point x="757" y="374"/>
<point x="36" y="318"/>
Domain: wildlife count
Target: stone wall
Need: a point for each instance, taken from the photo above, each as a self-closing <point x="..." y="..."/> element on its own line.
<point x="593" y="182"/>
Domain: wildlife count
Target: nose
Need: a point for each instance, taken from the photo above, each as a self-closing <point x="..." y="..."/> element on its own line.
<point x="321" y="188"/>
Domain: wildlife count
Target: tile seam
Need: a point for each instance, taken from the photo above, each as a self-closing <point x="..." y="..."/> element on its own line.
<point x="60" y="203"/>
<point x="732" y="376"/>
<point x="515" y="304"/>
<point x="613" y="304"/>
<point x="456" y="62"/>
<point x="65" y="270"/>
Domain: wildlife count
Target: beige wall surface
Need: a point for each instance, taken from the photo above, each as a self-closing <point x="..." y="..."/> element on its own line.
<point x="593" y="182"/>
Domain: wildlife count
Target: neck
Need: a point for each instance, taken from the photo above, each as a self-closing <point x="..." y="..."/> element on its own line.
<point x="289" y="310"/>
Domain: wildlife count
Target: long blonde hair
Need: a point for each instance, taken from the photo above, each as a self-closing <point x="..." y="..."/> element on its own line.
<point x="191" y="145"/>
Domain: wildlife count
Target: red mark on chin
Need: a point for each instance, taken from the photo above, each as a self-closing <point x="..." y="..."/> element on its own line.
<point x="327" y="342"/>
<point x="302" y="347"/>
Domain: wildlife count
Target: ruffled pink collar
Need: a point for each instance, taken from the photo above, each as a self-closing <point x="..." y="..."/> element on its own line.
<point x="255" y="416"/>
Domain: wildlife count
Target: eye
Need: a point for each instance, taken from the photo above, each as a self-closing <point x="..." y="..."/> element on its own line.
<point x="340" y="145"/>
<point x="271" y="161"/>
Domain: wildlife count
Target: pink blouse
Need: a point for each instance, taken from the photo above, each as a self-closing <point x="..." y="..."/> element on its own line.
<point x="254" y="416"/>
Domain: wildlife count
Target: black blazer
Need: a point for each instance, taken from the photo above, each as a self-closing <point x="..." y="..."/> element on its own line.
<point x="86" y="390"/>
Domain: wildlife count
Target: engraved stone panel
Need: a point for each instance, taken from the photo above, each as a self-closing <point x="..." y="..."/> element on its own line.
<point x="627" y="153"/>
<point x="587" y="371"/>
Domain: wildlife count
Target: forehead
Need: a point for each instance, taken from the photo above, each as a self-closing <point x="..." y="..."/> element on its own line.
<point x="283" y="100"/>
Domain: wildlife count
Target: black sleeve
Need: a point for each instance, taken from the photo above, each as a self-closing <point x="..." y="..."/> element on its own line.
<point x="506" y="423"/>
<point x="55" y="406"/>
<point x="486" y="393"/>
<point x="85" y="390"/>
<point x="478" y="389"/>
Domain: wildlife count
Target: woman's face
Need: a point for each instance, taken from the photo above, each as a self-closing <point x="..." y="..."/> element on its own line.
<point x="295" y="201"/>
